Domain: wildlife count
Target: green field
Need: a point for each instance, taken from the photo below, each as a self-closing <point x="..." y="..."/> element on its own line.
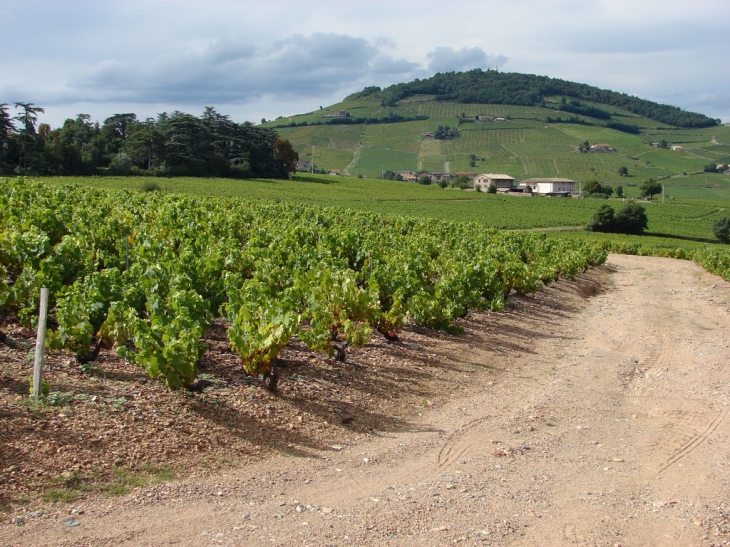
<point x="522" y="146"/>
<point x="679" y="223"/>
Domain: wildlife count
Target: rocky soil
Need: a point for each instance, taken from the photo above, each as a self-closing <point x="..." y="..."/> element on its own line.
<point x="593" y="413"/>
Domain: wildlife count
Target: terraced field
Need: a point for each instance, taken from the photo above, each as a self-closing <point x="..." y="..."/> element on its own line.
<point x="522" y="145"/>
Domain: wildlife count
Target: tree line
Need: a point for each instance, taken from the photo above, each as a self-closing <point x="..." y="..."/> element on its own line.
<point x="493" y="87"/>
<point x="176" y="144"/>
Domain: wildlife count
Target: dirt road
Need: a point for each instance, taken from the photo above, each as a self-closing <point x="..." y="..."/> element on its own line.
<point x="596" y="414"/>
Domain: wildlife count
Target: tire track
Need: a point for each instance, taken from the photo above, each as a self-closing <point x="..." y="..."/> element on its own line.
<point x="696" y="441"/>
<point x="447" y="455"/>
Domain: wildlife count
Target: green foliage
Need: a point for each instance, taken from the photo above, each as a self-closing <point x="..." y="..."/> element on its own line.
<point x="631" y="219"/>
<point x="275" y="270"/>
<point x="492" y="87"/>
<point x="45" y="386"/>
<point x="623" y="171"/>
<point x="624" y="127"/>
<point x="150" y="186"/>
<point x="492" y="189"/>
<point x="461" y="182"/>
<point x="721" y="229"/>
<point x="593" y="188"/>
<point x="603" y="220"/>
<point x="650" y="187"/>
<point x="172" y="145"/>
<point x="261" y="322"/>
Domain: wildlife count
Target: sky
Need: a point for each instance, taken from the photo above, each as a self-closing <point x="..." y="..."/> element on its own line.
<point x="254" y="60"/>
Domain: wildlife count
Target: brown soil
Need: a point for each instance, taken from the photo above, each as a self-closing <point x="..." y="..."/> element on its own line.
<point x="593" y="413"/>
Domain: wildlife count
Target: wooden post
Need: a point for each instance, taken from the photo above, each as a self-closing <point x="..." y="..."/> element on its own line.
<point x="40" y="342"/>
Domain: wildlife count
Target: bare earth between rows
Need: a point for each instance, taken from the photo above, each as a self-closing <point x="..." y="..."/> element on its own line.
<point x="593" y="413"/>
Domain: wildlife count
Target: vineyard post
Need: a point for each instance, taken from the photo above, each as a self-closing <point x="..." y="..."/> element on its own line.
<point x="126" y="249"/>
<point x="39" y="343"/>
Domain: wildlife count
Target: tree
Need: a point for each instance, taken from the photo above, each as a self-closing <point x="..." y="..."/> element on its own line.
<point x="593" y="188"/>
<point x="631" y="219"/>
<point x="29" y="144"/>
<point x="424" y="179"/>
<point x="710" y="168"/>
<point x="619" y="191"/>
<point x="603" y="220"/>
<point x="650" y="187"/>
<point x="461" y="182"/>
<point x="721" y="229"/>
<point x="6" y="130"/>
<point x="492" y="189"/>
<point x="623" y="171"/>
<point x="585" y="147"/>
<point x="287" y="156"/>
<point x="121" y="164"/>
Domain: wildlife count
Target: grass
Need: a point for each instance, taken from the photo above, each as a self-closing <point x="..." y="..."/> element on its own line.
<point x="71" y="486"/>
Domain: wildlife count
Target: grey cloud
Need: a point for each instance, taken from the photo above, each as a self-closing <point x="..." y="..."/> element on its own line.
<point x="446" y="59"/>
<point x="229" y="72"/>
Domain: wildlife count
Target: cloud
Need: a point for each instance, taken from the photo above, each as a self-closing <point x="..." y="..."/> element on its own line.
<point x="231" y="72"/>
<point x="446" y="59"/>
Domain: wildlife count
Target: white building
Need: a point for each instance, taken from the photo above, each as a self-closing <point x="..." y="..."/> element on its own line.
<point x="502" y="182"/>
<point x="551" y="186"/>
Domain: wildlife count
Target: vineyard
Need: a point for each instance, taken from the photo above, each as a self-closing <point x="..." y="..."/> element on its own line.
<point x="146" y="273"/>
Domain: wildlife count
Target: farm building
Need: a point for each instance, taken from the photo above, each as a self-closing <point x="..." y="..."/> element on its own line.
<point x="467" y="173"/>
<point x="551" y="186"/>
<point x="502" y="182"/>
<point x="438" y="176"/>
<point x="602" y="148"/>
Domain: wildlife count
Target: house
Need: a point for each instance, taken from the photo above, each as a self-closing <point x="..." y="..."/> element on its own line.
<point x="438" y="176"/>
<point x="335" y="172"/>
<point x="601" y="148"/>
<point x="483" y="119"/>
<point x="467" y="173"/>
<point x="676" y="147"/>
<point x="550" y="186"/>
<point x="408" y="176"/>
<point x="429" y="134"/>
<point x="502" y="182"/>
<point x="340" y="114"/>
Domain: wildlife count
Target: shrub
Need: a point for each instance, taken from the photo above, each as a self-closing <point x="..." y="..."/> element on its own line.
<point x="631" y="219"/>
<point x="121" y="164"/>
<point x="721" y="229"/>
<point x="603" y="220"/>
<point x="492" y="189"/>
<point x="150" y="186"/>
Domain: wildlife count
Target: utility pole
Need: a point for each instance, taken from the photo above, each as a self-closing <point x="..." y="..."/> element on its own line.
<point x="662" y="192"/>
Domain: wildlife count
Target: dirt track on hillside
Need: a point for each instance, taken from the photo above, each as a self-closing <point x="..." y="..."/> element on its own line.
<point x="595" y="413"/>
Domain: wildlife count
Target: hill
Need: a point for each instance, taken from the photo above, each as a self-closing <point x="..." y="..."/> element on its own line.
<point x="377" y="130"/>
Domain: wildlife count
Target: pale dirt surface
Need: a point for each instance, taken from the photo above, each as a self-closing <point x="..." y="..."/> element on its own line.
<point x="595" y="413"/>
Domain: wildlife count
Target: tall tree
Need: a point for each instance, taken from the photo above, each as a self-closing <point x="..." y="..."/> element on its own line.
<point x="6" y="130"/>
<point x="28" y="142"/>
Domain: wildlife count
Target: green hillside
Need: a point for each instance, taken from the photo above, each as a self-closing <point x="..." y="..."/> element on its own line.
<point x="523" y="145"/>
